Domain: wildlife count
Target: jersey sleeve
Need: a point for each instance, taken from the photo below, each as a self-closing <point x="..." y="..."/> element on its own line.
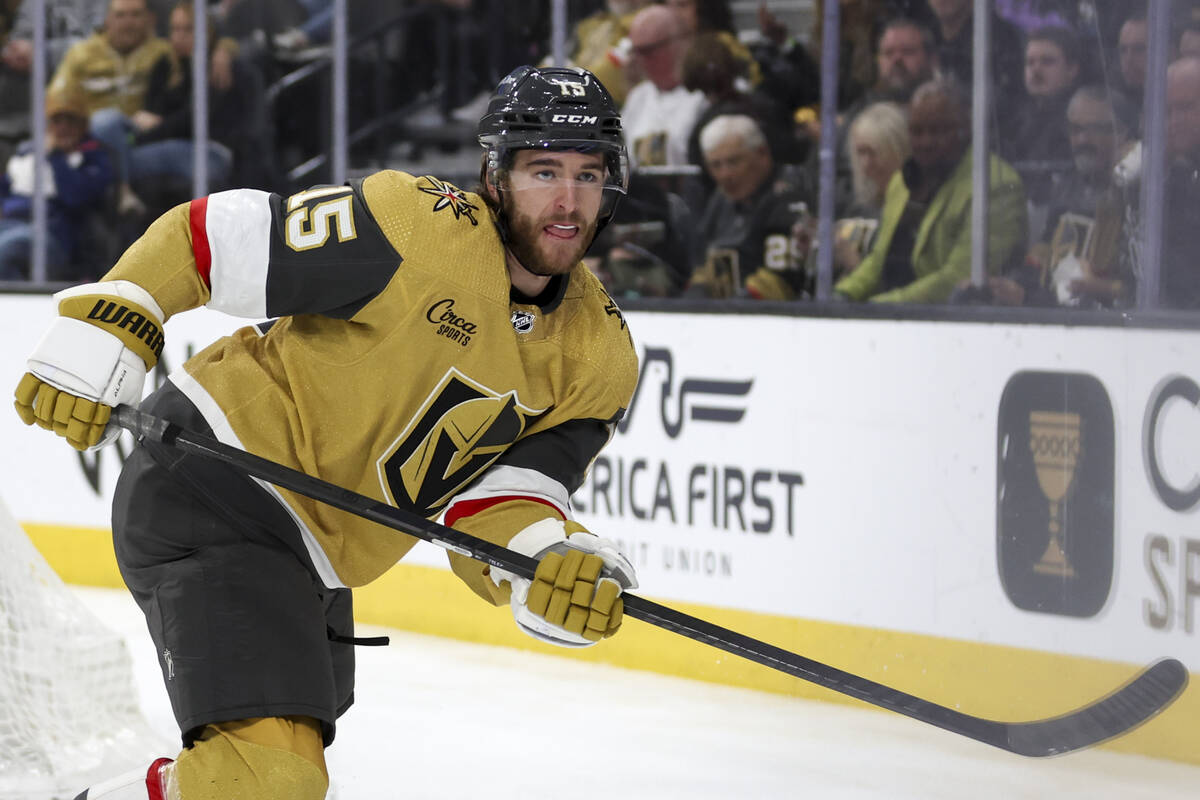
<point x="255" y="254"/>
<point x="533" y="480"/>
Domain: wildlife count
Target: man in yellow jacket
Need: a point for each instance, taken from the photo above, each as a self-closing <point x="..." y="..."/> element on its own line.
<point x="923" y="248"/>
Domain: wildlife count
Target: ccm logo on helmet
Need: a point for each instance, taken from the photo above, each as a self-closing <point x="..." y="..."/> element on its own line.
<point x="576" y="118"/>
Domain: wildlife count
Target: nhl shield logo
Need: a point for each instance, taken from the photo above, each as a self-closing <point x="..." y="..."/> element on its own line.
<point x="522" y="321"/>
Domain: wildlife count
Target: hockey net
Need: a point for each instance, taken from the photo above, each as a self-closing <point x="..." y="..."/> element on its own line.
<point x="69" y="712"/>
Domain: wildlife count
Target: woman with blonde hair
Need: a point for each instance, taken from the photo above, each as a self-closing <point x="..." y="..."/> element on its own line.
<point x="877" y="145"/>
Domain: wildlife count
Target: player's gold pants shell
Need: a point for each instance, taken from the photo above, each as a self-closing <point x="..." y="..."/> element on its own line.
<point x="267" y="758"/>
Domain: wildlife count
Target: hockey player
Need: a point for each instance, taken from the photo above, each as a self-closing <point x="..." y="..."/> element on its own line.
<point x="444" y="351"/>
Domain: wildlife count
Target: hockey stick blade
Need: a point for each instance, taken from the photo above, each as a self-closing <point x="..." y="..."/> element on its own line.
<point x="1146" y="695"/>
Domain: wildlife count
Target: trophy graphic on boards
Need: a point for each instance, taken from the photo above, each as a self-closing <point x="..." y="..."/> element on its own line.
<point x="1054" y="441"/>
<point x="1055" y="492"/>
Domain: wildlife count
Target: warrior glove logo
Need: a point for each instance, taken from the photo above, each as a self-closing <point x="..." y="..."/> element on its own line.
<point x="458" y="432"/>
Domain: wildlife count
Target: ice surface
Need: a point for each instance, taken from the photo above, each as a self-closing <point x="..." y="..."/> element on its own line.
<point x="438" y="718"/>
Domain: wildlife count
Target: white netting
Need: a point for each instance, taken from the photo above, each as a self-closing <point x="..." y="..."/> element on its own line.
<point x="69" y="712"/>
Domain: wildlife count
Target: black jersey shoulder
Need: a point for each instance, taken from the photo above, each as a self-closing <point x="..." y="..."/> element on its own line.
<point x="328" y="254"/>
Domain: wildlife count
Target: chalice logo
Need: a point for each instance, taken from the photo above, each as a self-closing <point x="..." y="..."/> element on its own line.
<point x="1055" y="492"/>
<point x="1054" y="442"/>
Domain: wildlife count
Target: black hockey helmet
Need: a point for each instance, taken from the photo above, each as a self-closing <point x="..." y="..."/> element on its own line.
<point x="555" y="108"/>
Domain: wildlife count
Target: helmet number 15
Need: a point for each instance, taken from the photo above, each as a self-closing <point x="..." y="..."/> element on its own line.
<point x="571" y="88"/>
<point x="308" y="223"/>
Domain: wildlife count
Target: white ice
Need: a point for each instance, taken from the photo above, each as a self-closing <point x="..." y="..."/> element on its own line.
<point x="438" y="718"/>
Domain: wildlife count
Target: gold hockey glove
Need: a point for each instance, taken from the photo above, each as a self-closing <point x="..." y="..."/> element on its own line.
<point x="94" y="357"/>
<point x="574" y="599"/>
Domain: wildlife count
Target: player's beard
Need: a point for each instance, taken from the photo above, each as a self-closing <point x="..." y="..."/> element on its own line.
<point x="526" y="242"/>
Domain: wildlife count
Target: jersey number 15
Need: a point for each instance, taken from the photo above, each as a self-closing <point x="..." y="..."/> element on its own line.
<point x="309" y="223"/>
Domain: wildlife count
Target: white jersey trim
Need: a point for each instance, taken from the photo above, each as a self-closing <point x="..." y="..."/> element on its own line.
<point x="503" y="480"/>
<point x="238" y="226"/>
<point x="216" y="420"/>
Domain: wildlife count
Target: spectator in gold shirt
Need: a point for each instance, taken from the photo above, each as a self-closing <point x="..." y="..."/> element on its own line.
<point x="112" y="70"/>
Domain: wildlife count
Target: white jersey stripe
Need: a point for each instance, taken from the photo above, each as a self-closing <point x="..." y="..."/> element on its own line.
<point x="221" y="429"/>
<point x="239" y="228"/>
<point x="503" y="480"/>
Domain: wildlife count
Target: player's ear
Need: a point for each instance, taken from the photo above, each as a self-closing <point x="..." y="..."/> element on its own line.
<point x="487" y="179"/>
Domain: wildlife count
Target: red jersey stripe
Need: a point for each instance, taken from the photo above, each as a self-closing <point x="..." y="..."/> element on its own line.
<point x="468" y="508"/>
<point x="198" y="217"/>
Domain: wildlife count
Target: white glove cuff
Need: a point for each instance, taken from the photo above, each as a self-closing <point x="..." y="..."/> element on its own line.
<point x="81" y="359"/>
<point x="617" y="565"/>
<point x="538" y="628"/>
<point x="127" y="290"/>
<point x="530" y="541"/>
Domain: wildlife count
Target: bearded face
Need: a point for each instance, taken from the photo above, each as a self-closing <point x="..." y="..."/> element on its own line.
<point x="553" y="199"/>
<point x="550" y="245"/>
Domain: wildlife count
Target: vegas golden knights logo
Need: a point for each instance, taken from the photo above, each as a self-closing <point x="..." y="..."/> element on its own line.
<point x="458" y="432"/>
<point x="1055" y="483"/>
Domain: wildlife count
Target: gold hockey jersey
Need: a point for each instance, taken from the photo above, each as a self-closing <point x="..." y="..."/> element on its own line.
<point x="401" y="364"/>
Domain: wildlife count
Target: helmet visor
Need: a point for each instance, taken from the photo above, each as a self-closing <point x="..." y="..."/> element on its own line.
<point x="615" y="159"/>
<point x="592" y="175"/>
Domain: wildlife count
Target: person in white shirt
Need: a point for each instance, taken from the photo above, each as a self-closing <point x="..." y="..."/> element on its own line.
<point x="660" y="112"/>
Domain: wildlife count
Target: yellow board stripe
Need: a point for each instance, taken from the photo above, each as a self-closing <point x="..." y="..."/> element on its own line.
<point x="998" y="682"/>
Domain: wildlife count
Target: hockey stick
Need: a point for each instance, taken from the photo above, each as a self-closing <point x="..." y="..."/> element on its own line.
<point x="1133" y="704"/>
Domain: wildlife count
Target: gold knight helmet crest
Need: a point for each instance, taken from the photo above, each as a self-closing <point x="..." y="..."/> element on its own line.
<point x="458" y="432"/>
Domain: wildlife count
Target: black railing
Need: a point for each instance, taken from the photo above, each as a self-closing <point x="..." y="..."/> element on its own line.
<point x="422" y="117"/>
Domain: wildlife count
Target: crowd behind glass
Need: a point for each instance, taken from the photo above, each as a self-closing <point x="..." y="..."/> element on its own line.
<point x="722" y="118"/>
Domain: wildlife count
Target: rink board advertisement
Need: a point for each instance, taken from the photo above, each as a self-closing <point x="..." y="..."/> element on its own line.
<point x="1028" y="487"/>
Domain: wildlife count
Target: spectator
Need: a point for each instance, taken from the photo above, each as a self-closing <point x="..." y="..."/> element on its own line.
<point x="715" y="18"/>
<point x="710" y="67"/>
<point x="660" y="111"/>
<point x="78" y="174"/>
<point x="858" y="37"/>
<point x="1132" y="42"/>
<point x="747" y="243"/>
<point x="112" y="68"/>
<point x="789" y="73"/>
<point x="923" y="247"/>
<point x="1035" y="141"/>
<point x="160" y="155"/>
<point x="1101" y="125"/>
<point x="645" y="250"/>
<point x="954" y="37"/>
<point x="906" y="58"/>
<point x="598" y="38"/>
<point x="1180" y="277"/>
<point x="877" y="147"/>
<point x="1083" y="257"/>
<point x="67" y="22"/>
